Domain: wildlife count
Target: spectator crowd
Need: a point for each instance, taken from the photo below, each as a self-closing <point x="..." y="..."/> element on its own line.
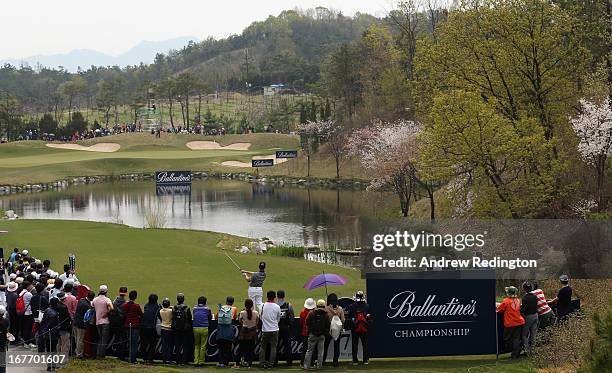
<point x="524" y="317"/>
<point x="50" y="311"/>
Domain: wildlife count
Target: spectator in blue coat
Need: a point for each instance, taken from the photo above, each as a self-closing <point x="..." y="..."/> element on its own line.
<point x="49" y="329"/>
<point x="148" y="330"/>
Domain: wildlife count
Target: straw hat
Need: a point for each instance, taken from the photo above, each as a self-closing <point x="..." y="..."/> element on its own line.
<point x="12" y="286"/>
<point x="321" y="303"/>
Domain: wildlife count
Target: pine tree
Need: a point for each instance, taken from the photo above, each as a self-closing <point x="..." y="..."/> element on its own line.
<point x="47" y="124"/>
<point x="327" y="115"/>
<point x="313" y="112"/>
<point x="303" y="114"/>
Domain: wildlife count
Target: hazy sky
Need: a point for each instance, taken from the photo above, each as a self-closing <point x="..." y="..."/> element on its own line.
<point x="30" y="27"/>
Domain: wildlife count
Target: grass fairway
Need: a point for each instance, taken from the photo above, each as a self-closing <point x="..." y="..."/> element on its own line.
<point x="32" y="162"/>
<point x="472" y="364"/>
<point x="163" y="261"/>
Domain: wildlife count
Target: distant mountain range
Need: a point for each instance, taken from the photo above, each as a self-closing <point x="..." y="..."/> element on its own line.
<point x="144" y="51"/>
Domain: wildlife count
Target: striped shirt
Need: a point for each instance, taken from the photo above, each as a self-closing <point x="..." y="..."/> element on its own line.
<point x="543" y="307"/>
<point x="257" y="279"/>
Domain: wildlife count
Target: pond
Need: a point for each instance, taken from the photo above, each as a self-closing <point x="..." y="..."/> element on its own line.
<point x="290" y="215"/>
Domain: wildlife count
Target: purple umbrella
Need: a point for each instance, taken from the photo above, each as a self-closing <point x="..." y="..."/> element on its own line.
<point x="324" y="279"/>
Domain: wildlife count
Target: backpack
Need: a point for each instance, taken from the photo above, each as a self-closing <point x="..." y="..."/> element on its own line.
<point x="116" y="318"/>
<point x="179" y="317"/>
<point x="89" y="315"/>
<point x="285" y="319"/>
<point x="316" y="325"/>
<point x="360" y="324"/>
<point x="20" y="305"/>
<point x="335" y="328"/>
<point x="225" y="315"/>
<point x="65" y="320"/>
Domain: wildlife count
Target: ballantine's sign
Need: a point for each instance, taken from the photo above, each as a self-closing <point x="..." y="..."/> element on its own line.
<point x="403" y="305"/>
<point x="173" y="177"/>
<point x="435" y="313"/>
<point x="286" y="154"/>
<point x="262" y="162"/>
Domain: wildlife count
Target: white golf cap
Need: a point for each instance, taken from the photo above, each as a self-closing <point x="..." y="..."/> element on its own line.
<point x="103" y="288"/>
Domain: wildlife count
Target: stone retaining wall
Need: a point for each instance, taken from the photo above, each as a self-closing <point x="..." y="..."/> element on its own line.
<point x="198" y="175"/>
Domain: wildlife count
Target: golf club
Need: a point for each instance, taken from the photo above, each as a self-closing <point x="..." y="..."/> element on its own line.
<point x="233" y="261"/>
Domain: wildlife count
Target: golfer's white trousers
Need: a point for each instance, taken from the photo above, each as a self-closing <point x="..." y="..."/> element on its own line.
<point x="256" y="295"/>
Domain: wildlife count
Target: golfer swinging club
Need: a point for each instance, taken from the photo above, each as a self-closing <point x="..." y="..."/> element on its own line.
<point x="256" y="280"/>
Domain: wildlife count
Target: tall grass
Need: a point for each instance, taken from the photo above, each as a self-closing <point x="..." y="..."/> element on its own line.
<point x="328" y="255"/>
<point x="574" y="345"/>
<point x="155" y="215"/>
<point x="288" y="251"/>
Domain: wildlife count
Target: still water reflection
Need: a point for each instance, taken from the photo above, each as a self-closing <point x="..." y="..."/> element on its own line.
<point x="291" y="215"/>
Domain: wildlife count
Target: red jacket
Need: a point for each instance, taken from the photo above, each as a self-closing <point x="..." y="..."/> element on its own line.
<point x="304" y="326"/>
<point x="133" y="313"/>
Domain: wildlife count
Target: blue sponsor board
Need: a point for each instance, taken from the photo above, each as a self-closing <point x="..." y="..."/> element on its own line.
<point x="262" y="162"/>
<point x="173" y="177"/>
<point x="432" y="313"/>
<point x="286" y="154"/>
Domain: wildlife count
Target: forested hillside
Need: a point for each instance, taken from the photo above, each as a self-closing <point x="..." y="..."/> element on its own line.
<point x="287" y="48"/>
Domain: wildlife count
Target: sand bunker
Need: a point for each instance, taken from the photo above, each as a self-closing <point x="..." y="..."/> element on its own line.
<point x="103" y="147"/>
<point x="211" y="145"/>
<point x="249" y="165"/>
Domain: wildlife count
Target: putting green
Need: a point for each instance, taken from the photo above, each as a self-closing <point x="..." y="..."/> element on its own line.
<point x="164" y="261"/>
<point x="32" y="161"/>
<point x="65" y="156"/>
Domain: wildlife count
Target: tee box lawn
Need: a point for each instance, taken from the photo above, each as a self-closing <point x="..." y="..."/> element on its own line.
<point x="165" y="261"/>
